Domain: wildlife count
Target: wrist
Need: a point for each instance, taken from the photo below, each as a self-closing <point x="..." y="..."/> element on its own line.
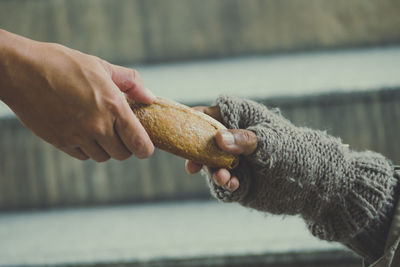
<point x="15" y="57"/>
<point x="4" y="62"/>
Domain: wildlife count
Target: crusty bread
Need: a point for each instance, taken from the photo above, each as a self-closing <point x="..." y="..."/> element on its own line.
<point x="183" y="131"/>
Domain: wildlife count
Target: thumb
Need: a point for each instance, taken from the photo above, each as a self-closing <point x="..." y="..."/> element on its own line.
<point x="130" y="82"/>
<point x="237" y="141"/>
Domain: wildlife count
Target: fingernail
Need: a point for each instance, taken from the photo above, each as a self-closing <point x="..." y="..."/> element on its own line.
<point x="232" y="185"/>
<point x="149" y="93"/>
<point x="228" y="138"/>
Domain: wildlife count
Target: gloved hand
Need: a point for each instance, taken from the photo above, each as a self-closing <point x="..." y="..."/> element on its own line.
<point x="286" y="169"/>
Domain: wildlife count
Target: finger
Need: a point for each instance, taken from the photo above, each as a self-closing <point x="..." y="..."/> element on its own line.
<point x="130" y="82"/>
<point x="132" y="133"/>
<point x="233" y="184"/>
<point x="237" y="141"/>
<point x="212" y="111"/>
<point x="94" y="151"/>
<point x="221" y="177"/>
<point x="76" y="153"/>
<point x="207" y="170"/>
<point x="114" y="146"/>
<point x="192" y="167"/>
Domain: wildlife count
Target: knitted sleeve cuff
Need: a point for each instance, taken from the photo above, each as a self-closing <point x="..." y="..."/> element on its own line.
<point x="361" y="218"/>
<point x="367" y="195"/>
<point x="340" y="193"/>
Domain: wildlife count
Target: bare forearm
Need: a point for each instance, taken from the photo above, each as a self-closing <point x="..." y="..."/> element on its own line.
<point x="73" y="100"/>
<point x="4" y="63"/>
<point x="15" y="52"/>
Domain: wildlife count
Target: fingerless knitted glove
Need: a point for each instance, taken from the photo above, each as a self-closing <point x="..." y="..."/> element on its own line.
<point x="342" y="195"/>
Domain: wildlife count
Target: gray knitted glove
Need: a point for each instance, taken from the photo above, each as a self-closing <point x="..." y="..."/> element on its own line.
<point x="340" y="193"/>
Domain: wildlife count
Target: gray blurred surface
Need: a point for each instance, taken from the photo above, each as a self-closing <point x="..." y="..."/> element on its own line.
<point x="137" y="234"/>
<point x="133" y="31"/>
<point x="268" y="76"/>
<point x="278" y="75"/>
<point x="33" y="174"/>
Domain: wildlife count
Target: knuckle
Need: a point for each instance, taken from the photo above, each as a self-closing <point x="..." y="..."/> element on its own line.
<point x="104" y="64"/>
<point x="137" y="81"/>
<point x="97" y="128"/>
<point x="113" y="103"/>
<point x="123" y="124"/>
<point x="76" y="140"/>
<point x="250" y="142"/>
<point x="68" y="140"/>
<point x="79" y="156"/>
<point x="247" y="136"/>
<point x="83" y="158"/>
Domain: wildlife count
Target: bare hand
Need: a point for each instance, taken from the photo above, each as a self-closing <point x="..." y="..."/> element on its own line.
<point x="74" y="101"/>
<point x="235" y="141"/>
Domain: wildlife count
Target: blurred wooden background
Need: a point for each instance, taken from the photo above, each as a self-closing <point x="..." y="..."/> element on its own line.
<point x="35" y="175"/>
<point x="146" y="31"/>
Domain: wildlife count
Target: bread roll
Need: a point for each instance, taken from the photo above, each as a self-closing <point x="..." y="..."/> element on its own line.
<point x="183" y="131"/>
